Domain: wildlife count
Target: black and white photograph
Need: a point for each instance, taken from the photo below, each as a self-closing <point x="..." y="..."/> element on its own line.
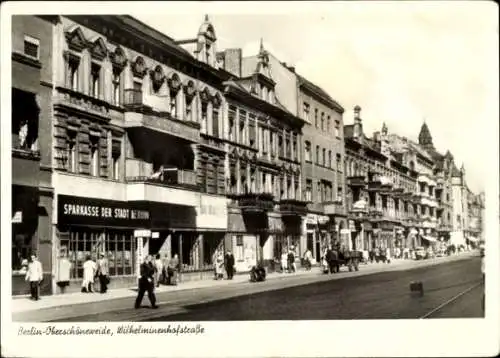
<point x="269" y="164"/>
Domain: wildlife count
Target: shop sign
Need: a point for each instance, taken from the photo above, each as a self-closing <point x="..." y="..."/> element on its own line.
<point x="73" y="210"/>
<point x="322" y="220"/>
<point x="211" y="213"/>
<point x="142" y="233"/>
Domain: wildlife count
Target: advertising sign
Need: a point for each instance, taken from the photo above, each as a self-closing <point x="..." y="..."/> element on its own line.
<point x="90" y="211"/>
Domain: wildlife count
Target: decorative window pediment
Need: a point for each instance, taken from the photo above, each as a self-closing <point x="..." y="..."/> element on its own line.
<point x="205" y="95"/>
<point x="98" y="49"/>
<point x="139" y="67"/>
<point x="174" y="82"/>
<point x="216" y="100"/>
<point x="119" y="58"/>
<point x="157" y="77"/>
<point x="76" y="39"/>
<point x="189" y="89"/>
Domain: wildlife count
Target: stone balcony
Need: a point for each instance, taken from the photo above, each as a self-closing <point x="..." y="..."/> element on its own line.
<point x="334" y="208"/>
<point x="254" y="202"/>
<point x="292" y="207"/>
<point x="142" y="117"/>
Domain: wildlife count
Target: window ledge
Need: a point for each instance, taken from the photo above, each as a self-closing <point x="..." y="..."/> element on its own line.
<point x="27" y="60"/>
<point x="26" y="154"/>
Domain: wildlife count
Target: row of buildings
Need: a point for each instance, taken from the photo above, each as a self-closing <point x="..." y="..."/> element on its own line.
<point x="128" y="142"/>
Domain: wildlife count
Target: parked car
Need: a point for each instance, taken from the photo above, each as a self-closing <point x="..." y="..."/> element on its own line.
<point x="420" y="253"/>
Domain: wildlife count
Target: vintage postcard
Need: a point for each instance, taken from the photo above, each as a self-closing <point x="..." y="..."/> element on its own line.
<point x="250" y="179"/>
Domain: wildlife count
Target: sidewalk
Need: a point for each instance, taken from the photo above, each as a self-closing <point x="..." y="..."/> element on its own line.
<point x="23" y="304"/>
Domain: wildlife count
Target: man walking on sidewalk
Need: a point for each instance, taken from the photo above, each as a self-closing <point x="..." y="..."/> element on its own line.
<point x="146" y="283"/>
<point x="34" y="275"/>
<point x="103" y="272"/>
<point x="229" y="262"/>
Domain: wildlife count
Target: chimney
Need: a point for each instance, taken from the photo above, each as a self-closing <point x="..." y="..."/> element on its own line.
<point x="358" y="126"/>
<point x="232" y="61"/>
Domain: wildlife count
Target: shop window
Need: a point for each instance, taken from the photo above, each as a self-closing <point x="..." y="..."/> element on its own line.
<point x="239" y="254"/>
<point x="31" y="47"/>
<point x="25" y="114"/>
<point x="95" y="80"/>
<point x="94" y="155"/>
<point x="212" y="242"/>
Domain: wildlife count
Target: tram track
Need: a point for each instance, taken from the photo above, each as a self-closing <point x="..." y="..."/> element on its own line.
<point x="451" y="300"/>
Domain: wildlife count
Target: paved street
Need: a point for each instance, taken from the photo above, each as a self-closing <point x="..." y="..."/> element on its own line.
<point x="370" y="293"/>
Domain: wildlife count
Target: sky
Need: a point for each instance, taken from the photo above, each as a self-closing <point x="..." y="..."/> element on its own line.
<point x="402" y="62"/>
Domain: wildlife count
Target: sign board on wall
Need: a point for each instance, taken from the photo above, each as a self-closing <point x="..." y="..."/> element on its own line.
<point x="211" y="213"/>
<point x="90" y="211"/>
<point x="18" y="217"/>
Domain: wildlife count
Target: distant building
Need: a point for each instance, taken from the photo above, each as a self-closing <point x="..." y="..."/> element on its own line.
<point x="381" y="187"/>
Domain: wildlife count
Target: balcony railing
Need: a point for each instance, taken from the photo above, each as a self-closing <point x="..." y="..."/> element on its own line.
<point x="293" y="207"/>
<point x="132" y="99"/>
<point x="212" y="141"/>
<point x="170" y="176"/>
<point x="254" y="202"/>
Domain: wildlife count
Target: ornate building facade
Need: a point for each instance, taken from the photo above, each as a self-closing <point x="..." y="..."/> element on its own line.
<point x="323" y="167"/>
<point x="32" y="190"/>
<point x="382" y="209"/>
<point x="264" y="180"/>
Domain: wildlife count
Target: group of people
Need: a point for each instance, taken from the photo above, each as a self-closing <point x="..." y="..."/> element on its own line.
<point x="224" y="263"/>
<point x="93" y="270"/>
<point x="288" y="264"/>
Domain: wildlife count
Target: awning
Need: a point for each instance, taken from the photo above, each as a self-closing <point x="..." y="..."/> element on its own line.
<point x="429" y="238"/>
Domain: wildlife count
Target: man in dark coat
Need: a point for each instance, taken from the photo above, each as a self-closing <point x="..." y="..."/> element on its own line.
<point x="331" y="258"/>
<point x="146" y="283"/>
<point x="229" y="263"/>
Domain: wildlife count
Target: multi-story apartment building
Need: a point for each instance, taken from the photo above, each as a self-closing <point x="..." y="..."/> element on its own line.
<point x="460" y="212"/>
<point x="31" y="151"/>
<point x="323" y="167"/>
<point x="474" y="228"/>
<point x="137" y="127"/>
<point x="443" y="169"/>
<point x="267" y="210"/>
<point x="381" y="183"/>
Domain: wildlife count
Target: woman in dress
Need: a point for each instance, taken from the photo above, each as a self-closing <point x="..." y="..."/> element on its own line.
<point x="219" y="266"/>
<point x="89" y="270"/>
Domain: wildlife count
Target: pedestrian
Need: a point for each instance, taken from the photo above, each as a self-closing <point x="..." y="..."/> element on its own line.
<point x="103" y="273"/>
<point x="284" y="260"/>
<point x="331" y="258"/>
<point x="229" y="263"/>
<point x="388" y="255"/>
<point x="291" y="260"/>
<point x="219" y="265"/>
<point x="89" y="271"/>
<point x="146" y="283"/>
<point x="173" y="269"/>
<point x="308" y="259"/>
<point x="34" y="275"/>
<point x="158" y="265"/>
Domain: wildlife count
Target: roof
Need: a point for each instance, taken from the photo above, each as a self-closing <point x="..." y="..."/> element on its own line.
<point x="320" y="92"/>
<point x="420" y="150"/>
